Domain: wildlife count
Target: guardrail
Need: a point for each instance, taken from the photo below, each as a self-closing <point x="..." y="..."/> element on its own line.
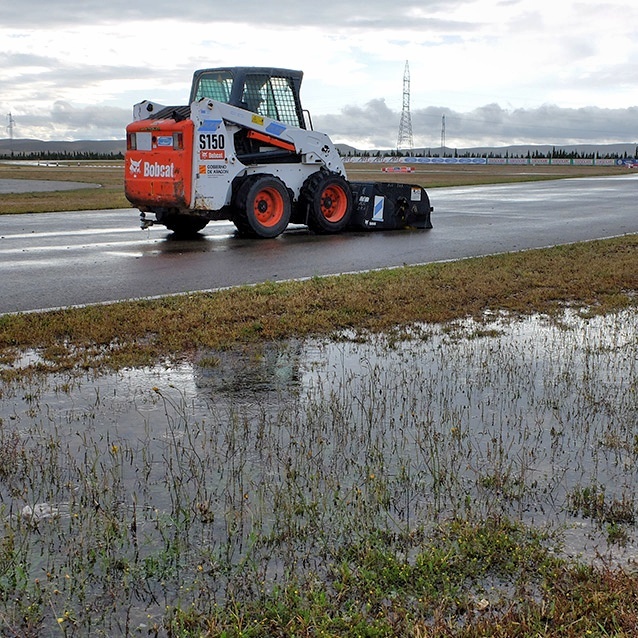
<point x="525" y="161"/>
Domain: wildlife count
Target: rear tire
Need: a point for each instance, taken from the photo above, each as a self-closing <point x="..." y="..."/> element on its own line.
<point x="182" y="225"/>
<point x="327" y="199"/>
<point x="262" y="206"/>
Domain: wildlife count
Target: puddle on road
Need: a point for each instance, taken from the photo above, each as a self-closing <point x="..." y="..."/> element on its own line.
<point x="267" y="455"/>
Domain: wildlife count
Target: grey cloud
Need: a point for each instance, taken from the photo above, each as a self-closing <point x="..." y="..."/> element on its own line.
<point x="356" y="13"/>
<point x="372" y="125"/>
<point x="66" y="122"/>
<point x="375" y="125"/>
<point x="91" y="118"/>
<point x="52" y="70"/>
<point x="13" y="60"/>
<point x="553" y="124"/>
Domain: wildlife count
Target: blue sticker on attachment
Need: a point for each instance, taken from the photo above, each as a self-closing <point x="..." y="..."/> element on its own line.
<point x="379" y="206"/>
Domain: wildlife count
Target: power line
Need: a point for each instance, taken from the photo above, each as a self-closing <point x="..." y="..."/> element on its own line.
<point x="443" y="136"/>
<point x="404" y="140"/>
<point x="10" y="126"/>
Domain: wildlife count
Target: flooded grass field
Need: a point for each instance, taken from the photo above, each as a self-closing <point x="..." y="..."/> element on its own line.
<point x="128" y="496"/>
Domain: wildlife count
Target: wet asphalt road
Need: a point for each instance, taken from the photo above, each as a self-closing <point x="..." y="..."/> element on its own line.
<point x="62" y="259"/>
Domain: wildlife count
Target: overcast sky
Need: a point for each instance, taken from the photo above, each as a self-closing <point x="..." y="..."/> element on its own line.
<point x="500" y="71"/>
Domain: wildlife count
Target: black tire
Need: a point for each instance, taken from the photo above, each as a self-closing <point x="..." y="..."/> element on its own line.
<point x="261" y="206"/>
<point x="327" y="200"/>
<point x="182" y="225"/>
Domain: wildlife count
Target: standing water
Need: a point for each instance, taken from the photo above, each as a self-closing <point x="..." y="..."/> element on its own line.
<point x="126" y="493"/>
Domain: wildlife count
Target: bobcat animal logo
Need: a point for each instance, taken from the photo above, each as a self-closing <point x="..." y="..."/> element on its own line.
<point x="134" y="167"/>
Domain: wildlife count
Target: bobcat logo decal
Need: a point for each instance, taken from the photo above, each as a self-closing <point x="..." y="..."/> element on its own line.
<point x="134" y="167"/>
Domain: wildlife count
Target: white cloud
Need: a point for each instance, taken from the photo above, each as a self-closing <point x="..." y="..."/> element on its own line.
<point x="492" y="66"/>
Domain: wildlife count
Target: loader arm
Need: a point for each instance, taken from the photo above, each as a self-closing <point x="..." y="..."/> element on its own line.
<point x="312" y="147"/>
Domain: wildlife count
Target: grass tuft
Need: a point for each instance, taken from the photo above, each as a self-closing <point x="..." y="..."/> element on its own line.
<point x="599" y="276"/>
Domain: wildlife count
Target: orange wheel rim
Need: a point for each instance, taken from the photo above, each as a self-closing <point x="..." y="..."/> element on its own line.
<point x="268" y="207"/>
<point x="334" y="203"/>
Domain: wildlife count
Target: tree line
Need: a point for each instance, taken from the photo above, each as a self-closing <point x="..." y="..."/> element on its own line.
<point x="555" y="153"/>
<point x="47" y="156"/>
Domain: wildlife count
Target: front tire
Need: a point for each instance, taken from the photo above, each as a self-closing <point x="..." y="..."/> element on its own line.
<point x="262" y="206"/>
<point x="327" y="199"/>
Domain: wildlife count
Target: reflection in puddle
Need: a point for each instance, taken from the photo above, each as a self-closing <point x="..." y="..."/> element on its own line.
<point x="252" y="462"/>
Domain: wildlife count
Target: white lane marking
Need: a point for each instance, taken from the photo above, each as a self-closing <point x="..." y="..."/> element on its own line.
<point x="66" y="248"/>
<point x="66" y="233"/>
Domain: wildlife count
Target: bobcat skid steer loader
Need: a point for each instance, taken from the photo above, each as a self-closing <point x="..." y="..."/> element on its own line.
<point x="244" y="150"/>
